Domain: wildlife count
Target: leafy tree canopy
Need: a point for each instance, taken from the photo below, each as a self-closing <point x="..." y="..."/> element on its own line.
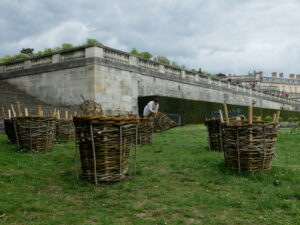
<point x="163" y="59"/>
<point x="27" y="51"/>
<point x="91" y="41"/>
<point x="145" y="55"/>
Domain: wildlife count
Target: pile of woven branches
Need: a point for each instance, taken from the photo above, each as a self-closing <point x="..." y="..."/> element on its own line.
<point x="65" y="130"/>
<point x="214" y="134"/>
<point x="90" y="108"/>
<point x="9" y="129"/>
<point x="35" y="134"/>
<point x="104" y="144"/>
<point x="145" y="131"/>
<point x="162" y="122"/>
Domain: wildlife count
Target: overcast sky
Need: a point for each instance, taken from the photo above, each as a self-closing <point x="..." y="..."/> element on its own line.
<point x="228" y="36"/>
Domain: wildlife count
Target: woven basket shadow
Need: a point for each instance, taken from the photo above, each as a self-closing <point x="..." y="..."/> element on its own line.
<point x="9" y="128"/>
<point x="104" y="145"/>
<point x="35" y="134"/>
<point x="214" y="134"/>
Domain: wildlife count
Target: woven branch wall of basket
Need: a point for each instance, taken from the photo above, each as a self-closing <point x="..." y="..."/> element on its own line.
<point x="162" y="122"/>
<point x="35" y="134"/>
<point x="9" y="129"/>
<point x="145" y="131"/>
<point x="65" y="130"/>
<point x="214" y="134"/>
<point x="104" y="144"/>
<point x="249" y="147"/>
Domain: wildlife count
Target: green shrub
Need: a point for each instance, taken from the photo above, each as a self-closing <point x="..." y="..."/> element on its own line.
<point x="268" y="118"/>
<point x="296" y="118"/>
<point x="91" y="41"/>
<point x="66" y="46"/>
<point x="291" y="119"/>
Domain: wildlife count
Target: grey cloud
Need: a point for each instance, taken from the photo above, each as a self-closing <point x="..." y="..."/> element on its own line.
<point x="217" y="35"/>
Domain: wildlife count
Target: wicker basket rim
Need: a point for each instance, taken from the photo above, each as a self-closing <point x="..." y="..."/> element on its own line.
<point x="120" y="119"/>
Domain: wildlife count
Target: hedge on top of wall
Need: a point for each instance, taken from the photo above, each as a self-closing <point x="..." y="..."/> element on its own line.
<point x="192" y="111"/>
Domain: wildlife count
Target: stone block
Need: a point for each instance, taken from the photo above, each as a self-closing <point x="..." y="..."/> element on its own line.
<point x="55" y="58"/>
<point x="96" y="52"/>
<point x="27" y="64"/>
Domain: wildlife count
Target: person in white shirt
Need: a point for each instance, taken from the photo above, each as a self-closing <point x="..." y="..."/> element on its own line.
<point x="151" y="108"/>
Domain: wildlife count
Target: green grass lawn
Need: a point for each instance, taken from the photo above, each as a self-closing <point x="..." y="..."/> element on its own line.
<point x="178" y="181"/>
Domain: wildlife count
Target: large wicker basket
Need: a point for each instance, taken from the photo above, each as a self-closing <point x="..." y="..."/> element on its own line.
<point x="35" y="134"/>
<point x="145" y="131"/>
<point x="162" y="122"/>
<point x="65" y="130"/>
<point x="104" y="144"/>
<point x="249" y="147"/>
<point x="9" y="128"/>
<point x="214" y="134"/>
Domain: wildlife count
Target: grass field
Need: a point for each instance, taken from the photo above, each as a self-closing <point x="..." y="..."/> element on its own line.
<point x="178" y="181"/>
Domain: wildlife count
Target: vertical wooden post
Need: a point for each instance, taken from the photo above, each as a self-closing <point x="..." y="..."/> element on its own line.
<point x="226" y="114"/>
<point x="58" y="114"/>
<point x="26" y="112"/>
<point x="274" y="117"/>
<point x="66" y="114"/>
<point x="221" y="116"/>
<point x="13" y="110"/>
<point x="278" y="117"/>
<point x="9" y="114"/>
<point x="250" y="121"/>
<point x="19" y="109"/>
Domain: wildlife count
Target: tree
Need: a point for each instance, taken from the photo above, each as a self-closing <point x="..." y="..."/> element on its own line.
<point x="162" y="59"/>
<point x="27" y="51"/>
<point x="145" y="55"/>
<point x="91" y="41"/>
<point x="66" y="46"/>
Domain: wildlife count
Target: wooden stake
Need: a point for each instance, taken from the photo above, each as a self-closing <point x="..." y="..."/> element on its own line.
<point x="58" y="115"/>
<point x="258" y="118"/>
<point x="9" y="114"/>
<point x="250" y="120"/>
<point x="221" y="116"/>
<point x="13" y="110"/>
<point x="274" y="117"/>
<point x="226" y="114"/>
<point x="26" y="112"/>
<point x="19" y="109"/>
<point x="250" y="115"/>
<point x="54" y="113"/>
<point x="39" y="111"/>
<point x="278" y="117"/>
<point x="66" y="114"/>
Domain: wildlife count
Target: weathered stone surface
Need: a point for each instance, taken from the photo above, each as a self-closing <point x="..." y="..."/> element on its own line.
<point x="116" y="84"/>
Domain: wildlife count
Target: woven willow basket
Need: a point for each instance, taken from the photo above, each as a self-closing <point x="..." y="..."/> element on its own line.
<point x="9" y="128"/>
<point x="65" y="130"/>
<point x="249" y="147"/>
<point x="162" y="122"/>
<point x="35" y="134"/>
<point x="145" y="131"/>
<point x="104" y="145"/>
<point x="214" y="134"/>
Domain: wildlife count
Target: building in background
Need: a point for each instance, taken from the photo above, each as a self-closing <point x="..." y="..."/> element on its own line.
<point x="276" y="84"/>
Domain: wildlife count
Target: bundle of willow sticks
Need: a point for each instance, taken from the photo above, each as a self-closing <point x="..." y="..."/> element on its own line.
<point x="162" y="122"/>
<point x="104" y="145"/>
<point x="9" y="129"/>
<point x="145" y="131"/>
<point x="35" y="134"/>
<point x="65" y="130"/>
